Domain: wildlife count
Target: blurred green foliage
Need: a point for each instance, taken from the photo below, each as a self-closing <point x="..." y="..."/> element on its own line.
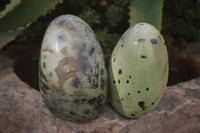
<point x="110" y="19"/>
<point x="181" y="22"/>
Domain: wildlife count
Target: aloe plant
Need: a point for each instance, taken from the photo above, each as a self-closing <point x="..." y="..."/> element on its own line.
<point x="149" y="11"/>
<point x="19" y="14"/>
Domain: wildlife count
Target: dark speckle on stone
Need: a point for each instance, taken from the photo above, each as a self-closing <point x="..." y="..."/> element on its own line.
<point x="114" y="82"/>
<point x="102" y="71"/>
<point x="120" y="71"/>
<point x="96" y="85"/>
<point x="114" y="59"/>
<point x="59" y="22"/>
<point x="83" y="100"/>
<point x="72" y="112"/>
<point x="143" y="56"/>
<point x="86" y="112"/>
<point x="76" y="83"/>
<point x="91" y="51"/>
<point x="122" y="45"/>
<point x="44" y="65"/>
<point x="147" y="89"/>
<point x="54" y="103"/>
<point x="43" y="90"/>
<point x="152" y="103"/>
<point x="102" y="84"/>
<point x="141" y="40"/>
<point x="141" y="104"/>
<point x="133" y="115"/>
<point x="128" y="93"/>
<point x="127" y="81"/>
<point x="89" y="78"/>
<point x="141" y="24"/>
<point x="45" y="86"/>
<point x="130" y="76"/>
<point x="122" y="99"/>
<point x="83" y="48"/>
<point x="61" y="38"/>
<point x="96" y="101"/>
<point x="154" y="41"/>
<point x="50" y="74"/>
<point x="138" y="91"/>
<point x="76" y="101"/>
<point x="118" y="81"/>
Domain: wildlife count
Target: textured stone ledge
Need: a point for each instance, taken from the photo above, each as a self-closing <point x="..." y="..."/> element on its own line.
<point x="22" y="111"/>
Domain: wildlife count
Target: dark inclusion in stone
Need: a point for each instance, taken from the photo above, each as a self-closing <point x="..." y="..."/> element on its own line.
<point x="119" y="81"/>
<point x="89" y="78"/>
<point x="122" y="45"/>
<point x="154" y="41"/>
<point x="114" y="82"/>
<point x="96" y="101"/>
<point x="72" y="112"/>
<point x="120" y="71"/>
<point x="143" y="56"/>
<point x="50" y="74"/>
<point x="133" y="115"/>
<point x="102" y="71"/>
<point x="76" y="83"/>
<point x="147" y="89"/>
<point x="61" y="38"/>
<point x="44" y="65"/>
<point x="142" y="24"/>
<point x="91" y="51"/>
<point x="86" y="112"/>
<point x="141" y="104"/>
<point x="60" y="22"/>
<point x="141" y="40"/>
<point x="43" y="76"/>
<point x="127" y="81"/>
<point x="102" y="84"/>
<point x="114" y="60"/>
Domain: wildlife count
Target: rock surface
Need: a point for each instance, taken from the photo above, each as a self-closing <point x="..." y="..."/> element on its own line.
<point x="22" y="110"/>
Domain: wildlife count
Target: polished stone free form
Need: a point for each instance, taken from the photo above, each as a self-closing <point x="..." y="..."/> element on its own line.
<point x="72" y="74"/>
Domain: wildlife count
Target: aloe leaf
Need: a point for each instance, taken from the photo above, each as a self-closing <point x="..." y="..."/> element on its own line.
<point x="8" y="36"/>
<point x="149" y="11"/>
<point x="21" y="15"/>
<point x="9" y="7"/>
<point x="28" y="11"/>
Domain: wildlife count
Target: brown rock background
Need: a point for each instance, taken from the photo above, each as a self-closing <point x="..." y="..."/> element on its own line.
<point x="22" y="110"/>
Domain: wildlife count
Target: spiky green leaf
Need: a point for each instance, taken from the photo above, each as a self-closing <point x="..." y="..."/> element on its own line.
<point x="149" y="11"/>
<point x="25" y="13"/>
<point x="9" y="7"/>
<point x="8" y="36"/>
<point x="21" y="16"/>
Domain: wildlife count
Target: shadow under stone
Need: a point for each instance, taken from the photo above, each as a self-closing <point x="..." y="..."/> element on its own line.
<point x="27" y="70"/>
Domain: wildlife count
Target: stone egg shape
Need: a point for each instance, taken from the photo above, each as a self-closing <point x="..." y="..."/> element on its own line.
<point x="72" y="73"/>
<point x="138" y="71"/>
